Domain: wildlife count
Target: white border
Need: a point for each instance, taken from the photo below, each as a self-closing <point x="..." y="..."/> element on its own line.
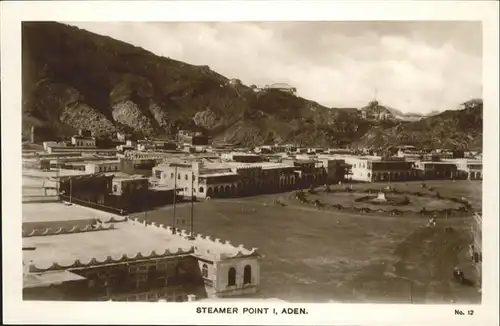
<point x="17" y="311"/>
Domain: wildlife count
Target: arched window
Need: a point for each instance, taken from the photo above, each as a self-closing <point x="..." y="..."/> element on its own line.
<point x="204" y="270"/>
<point x="178" y="176"/>
<point x="171" y="175"/>
<point x="231" y="277"/>
<point x="201" y="190"/>
<point x="247" y="275"/>
<point x="186" y="177"/>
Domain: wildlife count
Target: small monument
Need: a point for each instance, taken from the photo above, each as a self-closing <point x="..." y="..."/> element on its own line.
<point x="381" y="196"/>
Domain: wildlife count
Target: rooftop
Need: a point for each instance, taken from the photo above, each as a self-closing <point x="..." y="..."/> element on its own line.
<point x="50" y="278"/>
<point x="125" y="176"/>
<point x="56" y="211"/>
<point x="118" y="242"/>
<point x="97" y="162"/>
<point x="127" y="238"/>
<point x="217" y="174"/>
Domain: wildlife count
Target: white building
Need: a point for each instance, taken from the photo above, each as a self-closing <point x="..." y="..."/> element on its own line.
<point x="374" y="168"/>
<point x="102" y="166"/>
<point x="83" y="141"/>
<point x="469" y="169"/>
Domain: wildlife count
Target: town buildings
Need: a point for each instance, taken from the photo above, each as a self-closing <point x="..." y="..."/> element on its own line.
<point x="90" y="188"/>
<point x="436" y="170"/>
<point x="192" y="138"/>
<point x="227" y="179"/>
<point x="102" y="166"/>
<point x="375" y="169"/>
<point x="109" y="257"/>
<point x="469" y="169"/>
<point x="241" y="157"/>
<point x="83" y="141"/>
<point x="335" y="169"/>
<point x="143" y="166"/>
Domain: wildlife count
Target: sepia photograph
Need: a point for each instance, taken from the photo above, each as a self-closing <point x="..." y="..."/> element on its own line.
<point x="148" y="159"/>
<point x="267" y="161"/>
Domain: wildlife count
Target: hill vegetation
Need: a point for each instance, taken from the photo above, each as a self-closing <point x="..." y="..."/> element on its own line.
<point x="76" y="79"/>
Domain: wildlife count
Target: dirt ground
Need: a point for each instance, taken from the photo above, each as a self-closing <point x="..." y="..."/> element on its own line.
<point x="319" y="256"/>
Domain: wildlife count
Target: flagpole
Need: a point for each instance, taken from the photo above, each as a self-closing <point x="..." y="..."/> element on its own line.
<point x="192" y="204"/>
<point x="175" y="199"/>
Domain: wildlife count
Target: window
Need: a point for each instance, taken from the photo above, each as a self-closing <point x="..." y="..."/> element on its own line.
<point x="201" y="190"/>
<point x="186" y="177"/>
<point x="204" y="270"/>
<point x="171" y="175"/>
<point x="231" y="277"/>
<point x="179" y="269"/>
<point x="247" y="275"/>
<point x="178" y="176"/>
<point x="115" y="188"/>
<point x="194" y="178"/>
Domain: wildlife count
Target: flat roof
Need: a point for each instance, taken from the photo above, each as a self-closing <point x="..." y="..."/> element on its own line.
<point x="126" y="238"/>
<point x="438" y="162"/>
<point x="57" y="211"/>
<point x="34" y="280"/>
<point x="97" y="162"/>
<point x="220" y="174"/>
<point x="124" y="176"/>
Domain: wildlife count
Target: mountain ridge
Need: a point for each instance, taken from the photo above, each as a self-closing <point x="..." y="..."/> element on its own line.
<point x="76" y="79"/>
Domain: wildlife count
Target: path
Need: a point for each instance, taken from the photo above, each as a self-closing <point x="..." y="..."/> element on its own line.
<point x="343" y="212"/>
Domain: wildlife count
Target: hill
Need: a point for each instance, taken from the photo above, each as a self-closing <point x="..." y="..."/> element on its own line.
<point x="450" y="129"/>
<point x="76" y="79"/>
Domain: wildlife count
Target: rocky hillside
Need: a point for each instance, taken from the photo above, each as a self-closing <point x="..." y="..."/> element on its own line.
<point x="76" y="79"/>
<point x="450" y="129"/>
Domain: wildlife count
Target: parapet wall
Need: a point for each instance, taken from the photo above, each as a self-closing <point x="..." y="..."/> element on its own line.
<point x="207" y="247"/>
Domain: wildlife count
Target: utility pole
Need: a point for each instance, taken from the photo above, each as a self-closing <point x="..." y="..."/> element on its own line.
<point x="175" y="199"/>
<point x="192" y="206"/>
<point x="57" y="178"/>
<point x="70" y="188"/>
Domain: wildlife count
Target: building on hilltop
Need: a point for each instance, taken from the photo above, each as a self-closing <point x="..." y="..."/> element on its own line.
<point x="108" y="257"/>
<point x="281" y="87"/>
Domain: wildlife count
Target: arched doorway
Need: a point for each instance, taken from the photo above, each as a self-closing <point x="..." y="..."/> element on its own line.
<point x="210" y="192"/>
<point x="247" y="275"/>
<point x="233" y="190"/>
<point x="228" y="191"/>
<point x="231" y="276"/>
<point x="216" y="191"/>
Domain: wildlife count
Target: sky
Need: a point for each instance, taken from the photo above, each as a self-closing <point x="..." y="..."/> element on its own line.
<point x="415" y="67"/>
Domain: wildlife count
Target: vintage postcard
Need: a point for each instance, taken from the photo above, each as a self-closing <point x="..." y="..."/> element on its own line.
<point x="312" y="163"/>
